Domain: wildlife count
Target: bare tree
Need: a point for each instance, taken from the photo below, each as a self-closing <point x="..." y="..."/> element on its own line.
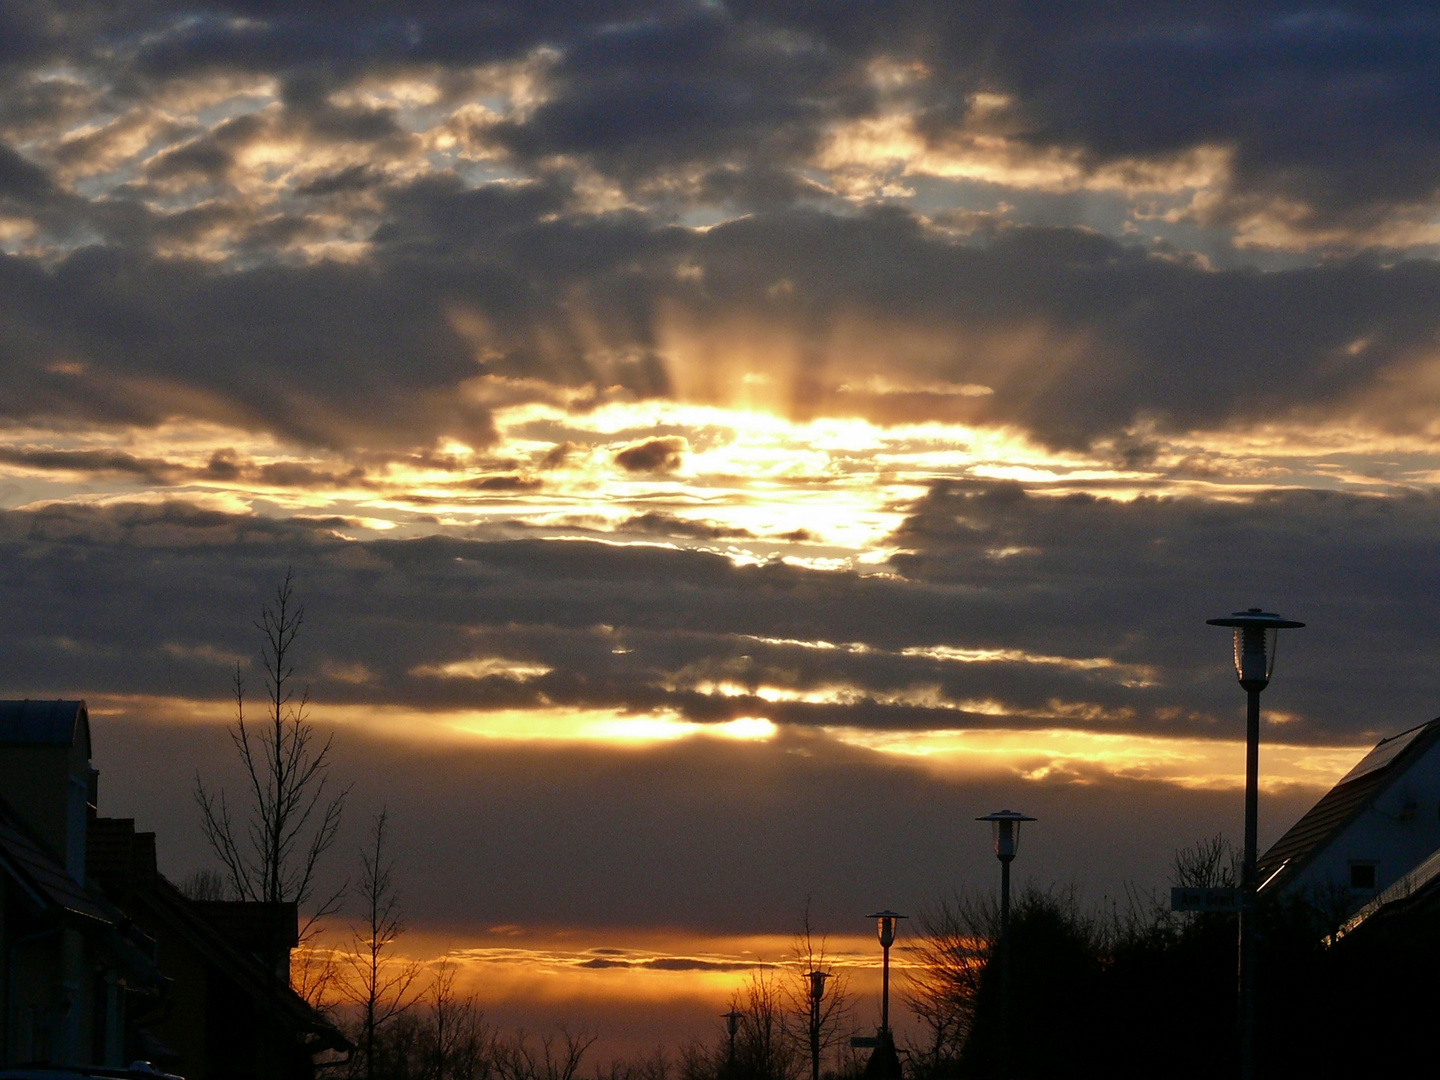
<point x="702" y="1061"/>
<point x="461" y="1045"/>
<point x="381" y="987"/>
<point x="272" y="846"/>
<point x="819" y="1021"/>
<point x="656" y="1066"/>
<point x="205" y="885"/>
<point x="764" y="1049"/>
<point x="1206" y="864"/>
<point x="553" y="1057"/>
<point x="943" y="983"/>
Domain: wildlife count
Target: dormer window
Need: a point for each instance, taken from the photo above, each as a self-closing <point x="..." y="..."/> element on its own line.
<point x="1362" y="876"/>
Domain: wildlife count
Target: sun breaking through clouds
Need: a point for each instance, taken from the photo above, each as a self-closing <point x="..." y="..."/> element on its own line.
<point x="719" y="413"/>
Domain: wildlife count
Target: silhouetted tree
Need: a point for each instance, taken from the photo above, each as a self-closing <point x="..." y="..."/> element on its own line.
<point x="943" y="981"/>
<point x="271" y="847"/>
<point x="703" y="1061"/>
<point x="381" y="987"/>
<point x="205" y="885"/>
<point x="1206" y="864"/>
<point x="461" y="1046"/>
<point x="551" y="1057"/>
<point x="815" y="1026"/>
<point x="764" y="1047"/>
<point x="656" y="1066"/>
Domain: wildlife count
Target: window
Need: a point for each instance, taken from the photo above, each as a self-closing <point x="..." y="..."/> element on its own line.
<point x="1362" y="875"/>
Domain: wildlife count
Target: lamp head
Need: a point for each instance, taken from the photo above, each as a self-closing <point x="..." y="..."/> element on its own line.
<point x="1005" y="827"/>
<point x="1256" y="635"/>
<point x="886" y="925"/>
<point x="817" y="984"/>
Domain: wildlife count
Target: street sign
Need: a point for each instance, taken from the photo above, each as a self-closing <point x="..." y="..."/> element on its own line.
<point x="864" y="1042"/>
<point x="1205" y="899"/>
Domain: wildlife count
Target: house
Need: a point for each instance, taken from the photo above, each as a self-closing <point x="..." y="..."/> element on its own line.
<point x="232" y="1013"/>
<point x="1371" y="830"/>
<point x="79" y="978"/>
<point x="207" y="993"/>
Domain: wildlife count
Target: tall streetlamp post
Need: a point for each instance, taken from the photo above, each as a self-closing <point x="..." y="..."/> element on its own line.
<point x="888" y="922"/>
<point x="817" y="991"/>
<point x="1256" y="634"/>
<point x="1005" y="825"/>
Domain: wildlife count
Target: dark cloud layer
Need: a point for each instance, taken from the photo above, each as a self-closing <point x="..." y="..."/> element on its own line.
<point x="158" y="600"/>
<point x="109" y="316"/>
<point x="1079" y="337"/>
<point x="1328" y="106"/>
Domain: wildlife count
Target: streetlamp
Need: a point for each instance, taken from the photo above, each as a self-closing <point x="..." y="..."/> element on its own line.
<point x="1005" y="825"/>
<point x="732" y="1025"/>
<point x="817" y="991"/>
<point x="887" y="925"/>
<point x="1256" y="634"/>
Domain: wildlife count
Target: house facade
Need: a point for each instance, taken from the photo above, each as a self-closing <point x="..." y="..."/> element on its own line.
<point x="1371" y="830"/>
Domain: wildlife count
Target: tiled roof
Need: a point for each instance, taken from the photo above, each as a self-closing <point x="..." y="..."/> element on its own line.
<point x="1355" y="791"/>
<point x="254" y="923"/>
<point x="125" y="867"/>
<point x="53" y="892"/>
<point x="44" y="879"/>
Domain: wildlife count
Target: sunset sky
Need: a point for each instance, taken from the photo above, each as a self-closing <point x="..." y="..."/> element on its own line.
<point x="722" y="448"/>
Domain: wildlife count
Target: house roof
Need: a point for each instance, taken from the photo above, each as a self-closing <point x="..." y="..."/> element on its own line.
<point x="125" y="865"/>
<point x="41" y="877"/>
<point x="53" y="892"/>
<point x="55" y="723"/>
<point x="254" y="923"/>
<point x="1356" y="790"/>
<point x="240" y="966"/>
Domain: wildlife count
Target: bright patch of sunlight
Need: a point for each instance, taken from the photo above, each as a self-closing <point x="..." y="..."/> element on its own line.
<point x="1085" y="756"/>
<point x="484" y="667"/>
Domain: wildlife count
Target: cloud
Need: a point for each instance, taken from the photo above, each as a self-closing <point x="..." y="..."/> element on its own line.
<point x="356" y="234"/>
<point x="1079" y="338"/>
<point x="662" y="524"/>
<point x="654" y="455"/>
<point x="20" y="179"/>
<point x="634" y="300"/>
<point x="1004" y="610"/>
<point x="90" y="461"/>
<point x="1320" y="108"/>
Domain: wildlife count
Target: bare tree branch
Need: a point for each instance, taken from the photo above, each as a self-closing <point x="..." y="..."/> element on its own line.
<point x="272" y="850"/>
<point x="380" y="986"/>
<point x="816" y="1025"/>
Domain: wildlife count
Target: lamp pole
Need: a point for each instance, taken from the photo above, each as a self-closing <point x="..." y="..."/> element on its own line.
<point x="817" y="991"/>
<point x="887" y="924"/>
<point x="732" y="1025"/>
<point x="1256" y="634"/>
<point x="1005" y="825"/>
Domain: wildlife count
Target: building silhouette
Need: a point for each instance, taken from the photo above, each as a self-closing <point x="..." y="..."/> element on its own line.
<point x="106" y="961"/>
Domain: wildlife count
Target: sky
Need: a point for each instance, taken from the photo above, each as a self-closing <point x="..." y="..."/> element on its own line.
<point x="722" y="448"/>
